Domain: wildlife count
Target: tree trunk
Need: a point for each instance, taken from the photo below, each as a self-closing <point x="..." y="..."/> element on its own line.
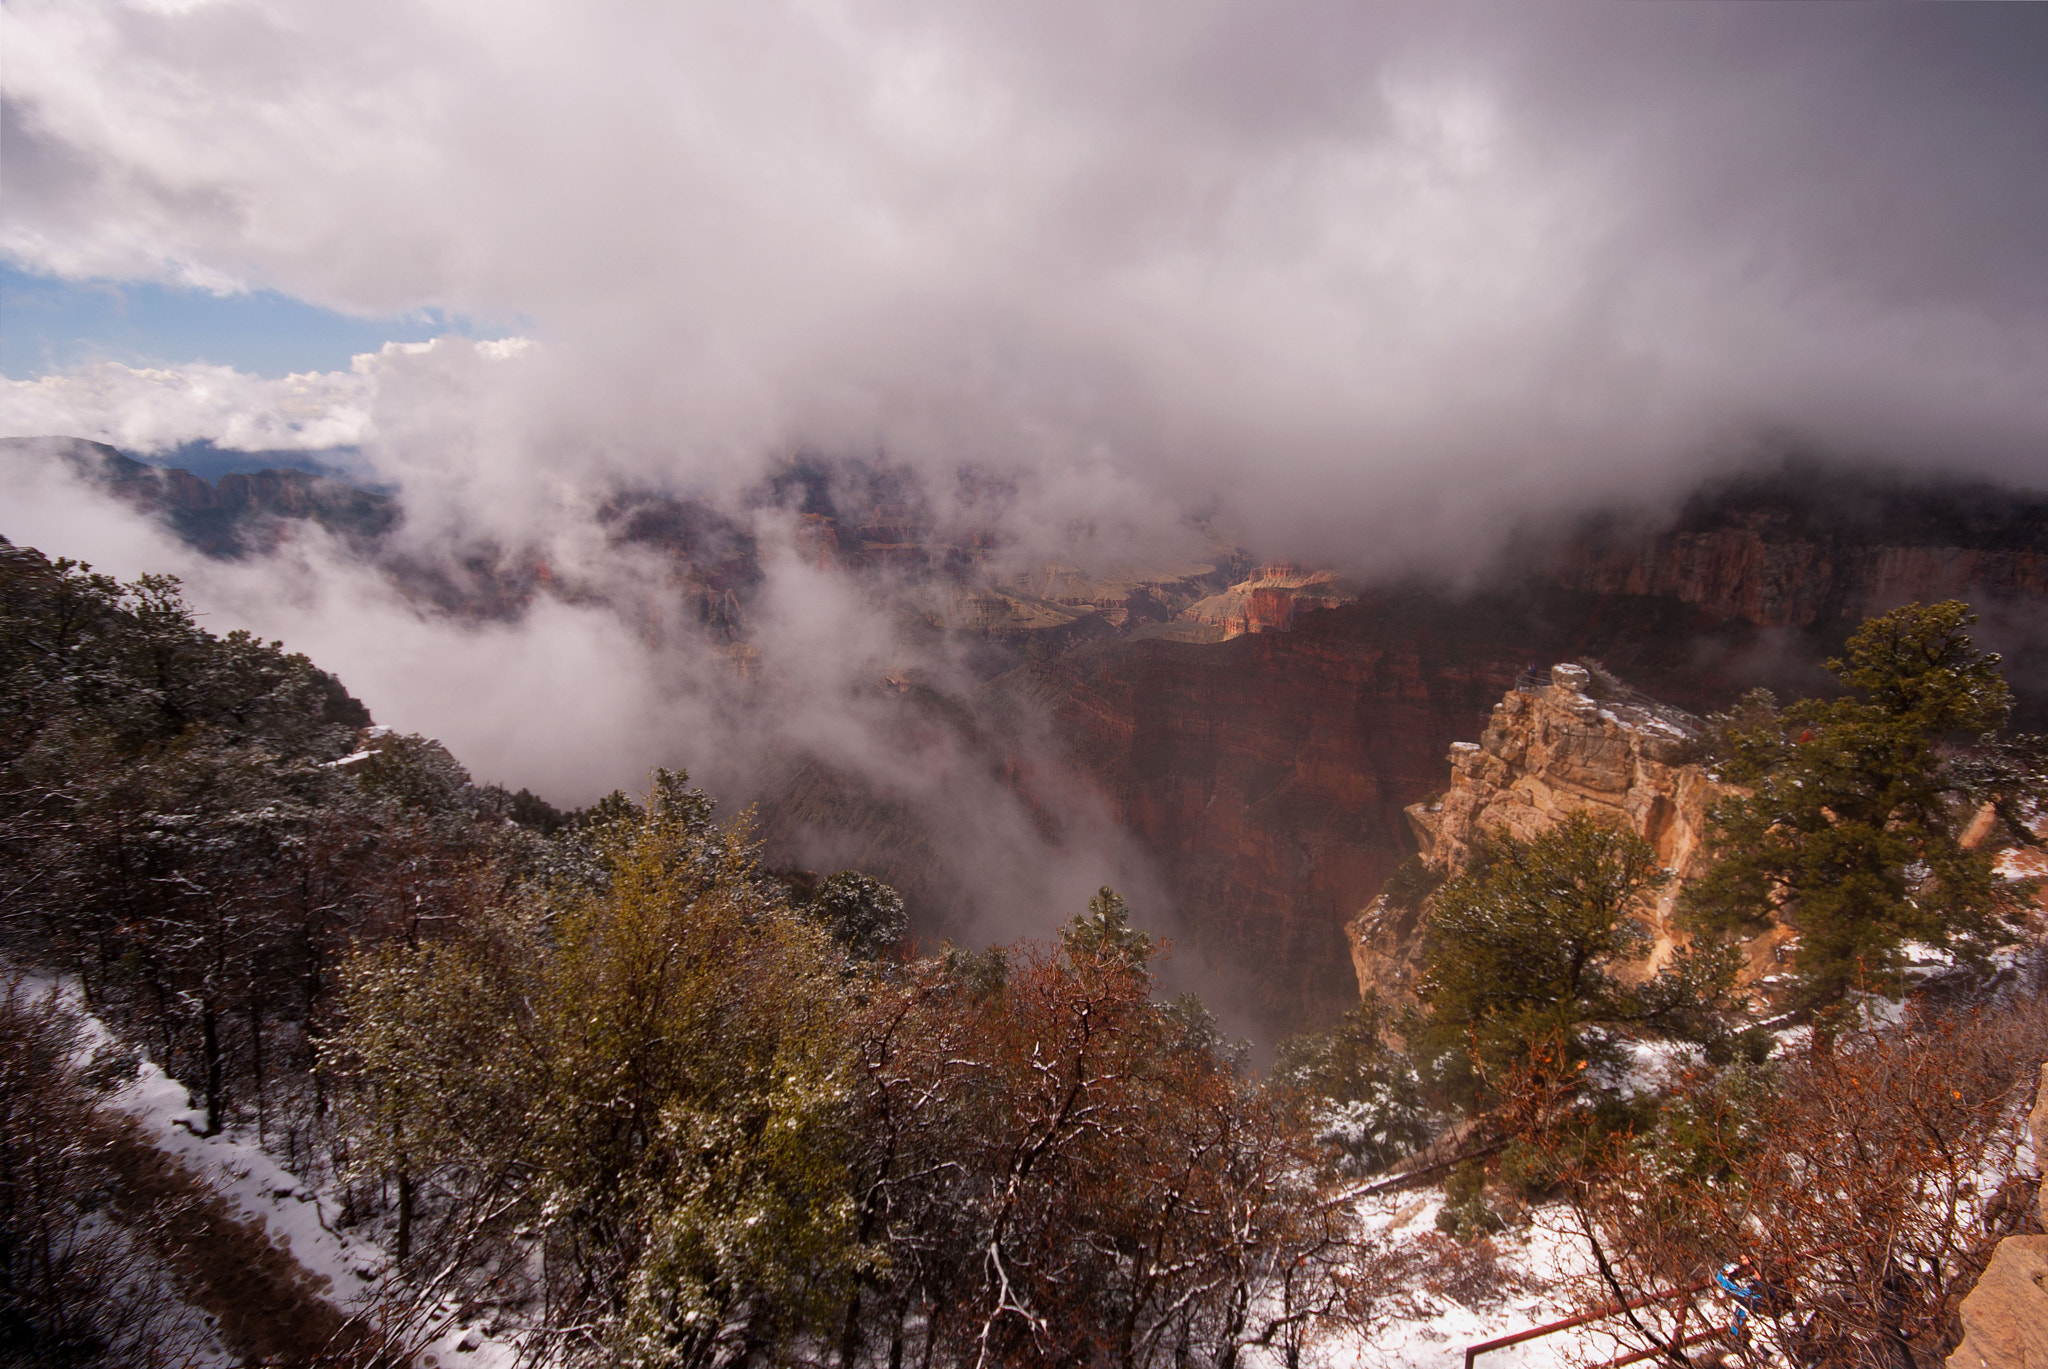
<point x="404" y="1192"/>
<point x="256" y="1063"/>
<point x="404" y="1216"/>
<point x="209" y="1050"/>
<point x="849" y="1336"/>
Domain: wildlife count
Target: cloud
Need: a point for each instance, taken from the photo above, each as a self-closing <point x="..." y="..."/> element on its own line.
<point x="1327" y="262"/>
<point x="153" y="409"/>
<point x="575" y="699"/>
<point x="1373" y="281"/>
<point x="568" y="700"/>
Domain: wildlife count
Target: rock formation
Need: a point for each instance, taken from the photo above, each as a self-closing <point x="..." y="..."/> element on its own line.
<point x="1269" y="600"/>
<point x="232" y="516"/>
<point x="1559" y="744"/>
<point x="2005" y="1318"/>
<point x="1268" y="774"/>
<point x="1804" y="542"/>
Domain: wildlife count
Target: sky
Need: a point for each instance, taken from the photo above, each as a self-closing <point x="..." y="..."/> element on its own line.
<point x="1317" y="258"/>
<point x="1376" y="281"/>
<point x="52" y="324"/>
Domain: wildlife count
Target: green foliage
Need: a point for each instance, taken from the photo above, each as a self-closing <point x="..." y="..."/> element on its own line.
<point x="129" y="662"/>
<point x="1104" y="933"/>
<point x="984" y="974"/>
<point x="655" y="1069"/>
<point x="864" y="915"/>
<point x="413" y="772"/>
<point x="1521" y="947"/>
<point x="1850" y="827"/>
<point x="181" y="828"/>
<point x="1466" y="1214"/>
<point x="1413" y="881"/>
<point x="1368" y="1093"/>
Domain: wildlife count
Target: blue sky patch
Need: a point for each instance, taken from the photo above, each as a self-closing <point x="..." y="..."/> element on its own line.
<point x="48" y="324"/>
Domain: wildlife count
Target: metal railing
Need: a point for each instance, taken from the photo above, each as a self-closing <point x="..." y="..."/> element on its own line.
<point x="1609" y="1313"/>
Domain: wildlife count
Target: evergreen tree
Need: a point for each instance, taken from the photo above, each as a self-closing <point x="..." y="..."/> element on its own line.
<point x="1521" y="949"/>
<point x="1851" y="828"/>
<point x="1105" y="933"/>
<point x="864" y="915"/>
<point x="1369" y="1096"/>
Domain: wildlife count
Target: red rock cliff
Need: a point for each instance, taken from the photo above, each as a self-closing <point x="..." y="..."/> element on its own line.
<point x="1268" y="774"/>
<point x="1738" y="573"/>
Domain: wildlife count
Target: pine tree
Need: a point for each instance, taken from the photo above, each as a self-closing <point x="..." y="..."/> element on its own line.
<point x="1522" y="946"/>
<point x="1850" y="831"/>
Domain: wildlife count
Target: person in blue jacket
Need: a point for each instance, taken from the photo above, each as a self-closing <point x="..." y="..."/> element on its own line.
<point x="1738" y="1278"/>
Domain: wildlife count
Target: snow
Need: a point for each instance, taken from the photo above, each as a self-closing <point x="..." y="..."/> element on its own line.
<point x="1546" y="1255"/>
<point x="1650" y="1066"/>
<point x="353" y="1273"/>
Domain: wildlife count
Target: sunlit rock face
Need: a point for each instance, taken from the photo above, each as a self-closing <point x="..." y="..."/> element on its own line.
<point x="1561" y="743"/>
<point x="2005" y="1317"/>
<point x="1268" y="774"/>
<point x="1269" y="600"/>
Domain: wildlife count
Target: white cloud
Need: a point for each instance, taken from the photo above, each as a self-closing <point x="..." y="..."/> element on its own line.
<point x="1375" y="280"/>
<point x="1323" y="260"/>
<point x="150" y="409"/>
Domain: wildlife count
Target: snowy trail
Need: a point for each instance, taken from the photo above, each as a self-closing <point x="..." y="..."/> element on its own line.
<point x="351" y="1273"/>
<point x="1546" y="1256"/>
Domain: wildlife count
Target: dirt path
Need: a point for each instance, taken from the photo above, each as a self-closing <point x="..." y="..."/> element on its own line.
<point x="266" y="1306"/>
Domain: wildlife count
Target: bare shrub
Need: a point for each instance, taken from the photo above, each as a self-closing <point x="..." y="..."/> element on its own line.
<point x="1850" y="1176"/>
<point x="1469" y="1273"/>
<point x="77" y="1286"/>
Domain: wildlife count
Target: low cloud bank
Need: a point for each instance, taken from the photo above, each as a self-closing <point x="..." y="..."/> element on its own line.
<point x="1365" y="286"/>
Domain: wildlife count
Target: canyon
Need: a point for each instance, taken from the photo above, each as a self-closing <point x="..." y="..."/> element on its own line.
<point x="1260" y="731"/>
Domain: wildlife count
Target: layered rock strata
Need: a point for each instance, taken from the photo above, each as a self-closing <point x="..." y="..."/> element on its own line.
<point x="1269" y="600"/>
<point x="1553" y="747"/>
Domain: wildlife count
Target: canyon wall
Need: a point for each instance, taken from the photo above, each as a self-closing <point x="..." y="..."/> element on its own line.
<point x="1557" y="744"/>
<point x="1258" y="729"/>
<point x="1740" y="573"/>
<point x="232" y="516"/>
<point x="1268" y="774"/>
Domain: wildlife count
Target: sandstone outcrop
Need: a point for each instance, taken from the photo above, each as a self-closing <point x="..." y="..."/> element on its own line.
<point x="1267" y="774"/>
<point x="1268" y="600"/>
<point x="2005" y="1318"/>
<point x="1559" y="744"/>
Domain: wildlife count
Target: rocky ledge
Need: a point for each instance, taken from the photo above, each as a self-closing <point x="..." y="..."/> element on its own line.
<point x="2005" y="1318"/>
<point x="1558" y="744"/>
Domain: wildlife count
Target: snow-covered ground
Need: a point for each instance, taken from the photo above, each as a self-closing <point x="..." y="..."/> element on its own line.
<point x="352" y="1273"/>
<point x="1539" y="1262"/>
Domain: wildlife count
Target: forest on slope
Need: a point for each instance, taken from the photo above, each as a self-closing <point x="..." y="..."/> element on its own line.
<point x="1246" y="792"/>
<point x="607" y="1082"/>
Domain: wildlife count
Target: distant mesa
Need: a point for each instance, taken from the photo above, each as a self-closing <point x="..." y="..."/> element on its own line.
<point x="238" y="514"/>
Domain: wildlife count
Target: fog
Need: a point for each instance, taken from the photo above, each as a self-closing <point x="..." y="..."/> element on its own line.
<point x="1371" y="284"/>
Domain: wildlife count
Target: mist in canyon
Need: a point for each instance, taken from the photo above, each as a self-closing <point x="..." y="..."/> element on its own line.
<point x="818" y="334"/>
